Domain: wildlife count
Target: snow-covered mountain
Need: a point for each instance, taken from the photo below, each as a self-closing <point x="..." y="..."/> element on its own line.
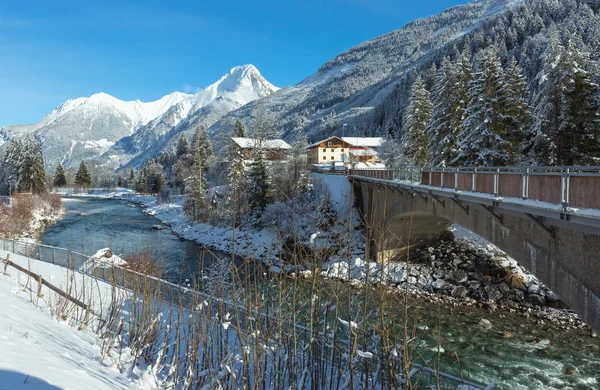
<point x="346" y="89"/>
<point x="112" y="132"/>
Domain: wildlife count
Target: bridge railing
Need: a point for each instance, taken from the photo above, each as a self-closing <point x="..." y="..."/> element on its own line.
<point x="575" y="186"/>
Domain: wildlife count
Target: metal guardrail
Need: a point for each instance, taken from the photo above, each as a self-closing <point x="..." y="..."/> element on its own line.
<point x="575" y="186"/>
<point x="49" y="254"/>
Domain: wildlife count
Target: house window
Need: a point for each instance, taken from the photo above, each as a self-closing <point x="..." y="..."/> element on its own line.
<point x="324" y="150"/>
<point x="324" y="158"/>
<point x="332" y="157"/>
<point x="342" y="150"/>
<point x="332" y="150"/>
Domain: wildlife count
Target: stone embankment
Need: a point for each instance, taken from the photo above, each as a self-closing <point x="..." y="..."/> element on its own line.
<point x="460" y="273"/>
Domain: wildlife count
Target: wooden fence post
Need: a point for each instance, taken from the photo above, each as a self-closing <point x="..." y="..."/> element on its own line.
<point x="6" y="263"/>
<point x="40" y="284"/>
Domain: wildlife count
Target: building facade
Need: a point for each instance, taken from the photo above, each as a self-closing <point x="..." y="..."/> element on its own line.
<point x="273" y="149"/>
<point x="347" y="150"/>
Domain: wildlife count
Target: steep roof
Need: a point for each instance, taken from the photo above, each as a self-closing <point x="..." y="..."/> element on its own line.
<point x="365" y="142"/>
<point x="358" y="142"/>
<point x="250" y="143"/>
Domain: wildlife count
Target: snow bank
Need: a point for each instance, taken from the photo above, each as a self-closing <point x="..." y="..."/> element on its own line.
<point x="40" y="352"/>
<point x="104" y="258"/>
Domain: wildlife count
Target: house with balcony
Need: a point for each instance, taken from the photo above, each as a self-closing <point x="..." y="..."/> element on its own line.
<point x="347" y="150"/>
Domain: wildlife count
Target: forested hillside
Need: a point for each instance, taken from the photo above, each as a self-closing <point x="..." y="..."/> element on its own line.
<point x="521" y="89"/>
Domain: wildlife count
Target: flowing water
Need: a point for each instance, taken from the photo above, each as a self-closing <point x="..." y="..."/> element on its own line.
<point x="92" y="224"/>
<point x="535" y="357"/>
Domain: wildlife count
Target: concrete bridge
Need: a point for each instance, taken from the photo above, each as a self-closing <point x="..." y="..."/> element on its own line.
<point x="548" y="219"/>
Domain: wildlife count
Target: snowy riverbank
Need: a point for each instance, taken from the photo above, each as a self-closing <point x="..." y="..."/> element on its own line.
<point x="466" y="270"/>
<point x="27" y="218"/>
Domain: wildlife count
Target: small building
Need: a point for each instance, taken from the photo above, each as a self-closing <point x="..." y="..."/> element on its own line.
<point x="344" y="149"/>
<point x="274" y="149"/>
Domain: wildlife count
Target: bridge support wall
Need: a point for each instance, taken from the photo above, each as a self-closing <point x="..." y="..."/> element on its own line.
<point x="566" y="261"/>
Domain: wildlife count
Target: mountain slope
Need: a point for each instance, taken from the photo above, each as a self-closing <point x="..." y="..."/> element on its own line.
<point x="347" y="88"/>
<point x="112" y="132"/>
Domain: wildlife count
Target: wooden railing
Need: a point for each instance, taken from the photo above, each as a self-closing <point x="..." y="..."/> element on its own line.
<point x="569" y="186"/>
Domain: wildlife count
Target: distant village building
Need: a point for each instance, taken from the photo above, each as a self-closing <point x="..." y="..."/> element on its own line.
<point x="344" y="149"/>
<point x="273" y="149"/>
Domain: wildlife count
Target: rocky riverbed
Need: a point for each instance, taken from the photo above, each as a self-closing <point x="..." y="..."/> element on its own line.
<point x="464" y="273"/>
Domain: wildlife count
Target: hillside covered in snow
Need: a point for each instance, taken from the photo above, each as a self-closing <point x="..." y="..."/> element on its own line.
<point x="112" y="132"/>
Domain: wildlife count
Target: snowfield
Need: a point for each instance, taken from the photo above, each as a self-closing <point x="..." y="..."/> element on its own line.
<point x="41" y="352"/>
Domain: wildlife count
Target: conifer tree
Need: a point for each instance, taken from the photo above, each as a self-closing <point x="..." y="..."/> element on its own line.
<point x="200" y="149"/>
<point x="482" y="139"/>
<point x="39" y="183"/>
<point x="120" y="182"/>
<point x="195" y="189"/>
<point x="182" y="146"/>
<point x="442" y="131"/>
<point x="580" y="127"/>
<point x="518" y="115"/>
<point x="131" y="180"/>
<point x="258" y="184"/>
<point x="59" y="180"/>
<point x="239" y="130"/>
<point x="418" y="116"/>
<point x="547" y="138"/>
<point x="82" y="177"/>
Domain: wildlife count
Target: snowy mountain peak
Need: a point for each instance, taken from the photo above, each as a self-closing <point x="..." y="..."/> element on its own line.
<point x="246" y="76"/>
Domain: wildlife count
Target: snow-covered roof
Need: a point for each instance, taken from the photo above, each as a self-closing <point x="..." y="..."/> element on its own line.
<point x="365" y="142"/>
<point x="358" y="142"/>
<point x="250" y="143"/>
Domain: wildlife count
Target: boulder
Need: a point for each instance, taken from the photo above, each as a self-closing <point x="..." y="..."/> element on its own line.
<point x="458" y="277"/>
<point x="441" y="284"/>
<point x="551" y="297"/>
<point x="503" y="288"/>
<point x="486" y="324"/>
<point x="533" y="289"/>
<point x="536" y="299"/>
<point x="479" y="295"/>
<point x="459" y="292"/>
<point x="474" y="285"/>
<point x="493" y="293"/>
<point x="515" y="295"/>
<point x="499" y="272"/>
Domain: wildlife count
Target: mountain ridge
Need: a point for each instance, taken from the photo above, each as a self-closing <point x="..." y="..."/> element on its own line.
<point x="89" y="127"/>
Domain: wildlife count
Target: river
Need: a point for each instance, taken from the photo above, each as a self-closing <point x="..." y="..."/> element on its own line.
<point x="91" y="224"/>
<point x="535" y="357"/>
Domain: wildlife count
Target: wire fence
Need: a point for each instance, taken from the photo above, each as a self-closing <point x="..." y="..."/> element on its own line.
<point x="49" y="254"/>
<point x="172" y="293"/>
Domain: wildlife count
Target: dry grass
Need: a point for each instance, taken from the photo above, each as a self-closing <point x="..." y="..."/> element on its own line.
<point x="515" y="279"/>
<point x="17" y="220"/>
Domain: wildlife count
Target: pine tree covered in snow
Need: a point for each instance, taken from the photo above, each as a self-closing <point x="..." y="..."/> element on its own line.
<point x="258" y="184"/>
<point x="238" y="129"/>
<point x="200" y="148"/>
<point x="580" y="127"/>
<point x="182" y="146"/>
<point x="59" y="180"/>
<point x="442" y="128"/>
<point x="195" y="203"/>
<point x="82" y="177"/>
<point x="131" y="179"/>
<point x="483" y="138"/>
<point x="417" y="119"/>
<point x="518" y="113"/>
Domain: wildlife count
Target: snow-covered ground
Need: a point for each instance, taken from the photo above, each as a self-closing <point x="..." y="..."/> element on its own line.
<point x="39" y="351"/>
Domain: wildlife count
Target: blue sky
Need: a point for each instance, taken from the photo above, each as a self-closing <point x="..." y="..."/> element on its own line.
<point x="51" y="51"/>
